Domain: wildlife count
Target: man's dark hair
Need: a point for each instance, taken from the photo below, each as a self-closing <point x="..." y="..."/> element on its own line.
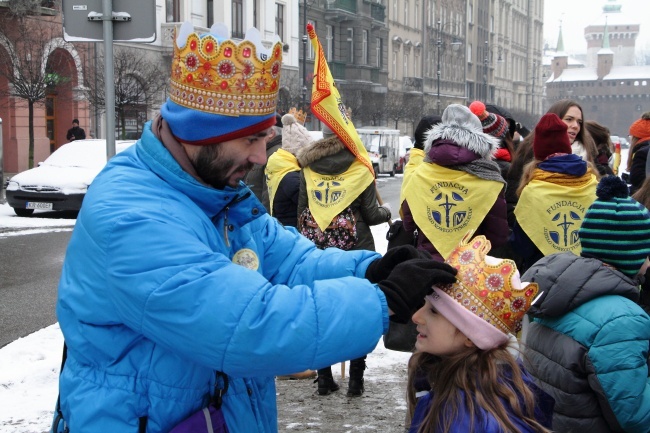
<point x="75" y="121"/>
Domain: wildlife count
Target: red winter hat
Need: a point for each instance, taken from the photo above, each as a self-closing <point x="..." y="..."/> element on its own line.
<point x="641" y="128"/>
<point x="492" y="123"/>
<point x="550" y="137"/>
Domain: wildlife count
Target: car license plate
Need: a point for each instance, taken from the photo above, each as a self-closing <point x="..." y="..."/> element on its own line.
<point x="38" y="205"/>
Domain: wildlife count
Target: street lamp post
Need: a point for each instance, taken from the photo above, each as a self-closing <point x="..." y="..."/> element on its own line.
<point x="485" y="73"/>
<point x="532" y="108"/>
<point x="486" y="64"/>
<point x="440" y="46"/>
<point x="304" y="54"/>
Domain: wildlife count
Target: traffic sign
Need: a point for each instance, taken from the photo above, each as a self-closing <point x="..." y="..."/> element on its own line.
<point x="133" y="21"/>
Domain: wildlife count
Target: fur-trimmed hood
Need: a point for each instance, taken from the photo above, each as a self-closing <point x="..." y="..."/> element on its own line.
<point x="327" y="156"/>
<point x="462" y="127"/>
<point x="478" y="142"/>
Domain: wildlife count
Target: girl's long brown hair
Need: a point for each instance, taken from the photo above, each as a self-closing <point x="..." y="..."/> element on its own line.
<point x="524" y="153"/>
<point x="479" y="374"/>
<point x="642" y="195"/>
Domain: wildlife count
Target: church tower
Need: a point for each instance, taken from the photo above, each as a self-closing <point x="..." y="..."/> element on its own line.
<point x="622" y="32"/>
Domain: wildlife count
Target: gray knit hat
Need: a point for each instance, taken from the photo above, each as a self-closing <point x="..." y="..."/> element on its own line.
<point x="294" y="135"/>
<point x="462" y="126"/>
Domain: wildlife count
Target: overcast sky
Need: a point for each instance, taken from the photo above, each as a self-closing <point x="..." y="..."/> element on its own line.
<point x="577" y="14"/>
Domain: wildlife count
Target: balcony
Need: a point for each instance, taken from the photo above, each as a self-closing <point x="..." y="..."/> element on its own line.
<point x="378" y="12"/>
<point x="412" y="84"/>
<point x="339" y="10"/>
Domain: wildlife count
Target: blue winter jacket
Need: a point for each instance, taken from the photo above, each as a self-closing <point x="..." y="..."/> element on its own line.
<point x="484" y="421"/>
<point x="151" y="304"/>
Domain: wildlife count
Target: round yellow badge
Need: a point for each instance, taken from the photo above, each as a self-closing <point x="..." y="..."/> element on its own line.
<point x="246" y="258"/>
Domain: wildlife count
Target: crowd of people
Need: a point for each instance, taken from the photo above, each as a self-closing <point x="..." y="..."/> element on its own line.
<point x="228" y="248"/>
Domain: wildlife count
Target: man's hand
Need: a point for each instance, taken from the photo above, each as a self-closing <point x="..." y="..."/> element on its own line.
<point x="410" y="281"/>
<point x="380" y="269"/>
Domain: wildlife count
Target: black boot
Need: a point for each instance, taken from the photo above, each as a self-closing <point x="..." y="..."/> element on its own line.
<point x="355" y="384"/>
<point x="326" y="384"/>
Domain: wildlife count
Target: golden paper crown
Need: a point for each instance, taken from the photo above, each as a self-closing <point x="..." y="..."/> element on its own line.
<point x="490" y="288"/>
<point x="217" y="75"/>
<point x="299" y="115"/>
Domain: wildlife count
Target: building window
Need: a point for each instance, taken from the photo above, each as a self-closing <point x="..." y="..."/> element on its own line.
<point x="173" y="11"/>
<point x="395" y="17"/>
<point x="406" y="64"/>
<point x="238" y="19"/>
<point x="256" y="11"/>
<point x="394" y="65"/>
<point x="279" y="20"/>
<point x="406" y="12"/>
<point x="329" y="43"/>
<point x="364" y="47"/>
<point x="210" y="4"/>
<point x="351" y="44"/>
<point x="378" y="48"/>
<point x="470" y="13"/>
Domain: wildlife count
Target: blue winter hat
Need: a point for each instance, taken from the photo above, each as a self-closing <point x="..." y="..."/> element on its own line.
<point x="221" y="89"/>
<point x="616" y="228"/>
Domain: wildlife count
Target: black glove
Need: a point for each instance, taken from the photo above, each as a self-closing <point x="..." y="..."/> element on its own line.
<point x="380" y="269"/>
<point x="408" y="284"/>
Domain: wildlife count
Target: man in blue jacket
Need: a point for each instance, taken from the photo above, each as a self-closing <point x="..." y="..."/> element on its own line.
<point x="175" y="272"/>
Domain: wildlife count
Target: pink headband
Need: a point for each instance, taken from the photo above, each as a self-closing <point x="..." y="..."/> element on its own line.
<point x="482" y="334"/>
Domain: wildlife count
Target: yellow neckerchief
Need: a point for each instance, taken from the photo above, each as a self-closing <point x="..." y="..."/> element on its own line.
<point x="551" y="208"/>
<point x="328" y="195"/>
<point x="416" y="156"/>
<point x="447" y="203"/>
<point x="280" y="163"/>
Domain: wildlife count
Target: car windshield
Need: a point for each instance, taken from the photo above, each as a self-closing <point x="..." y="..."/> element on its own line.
<point x="84" y="154"/>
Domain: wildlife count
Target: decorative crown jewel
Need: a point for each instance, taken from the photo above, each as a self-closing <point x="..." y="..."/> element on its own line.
<point x="489" y="287"/>
<point x="215" y="74"/>
<point x="299" y="115"/>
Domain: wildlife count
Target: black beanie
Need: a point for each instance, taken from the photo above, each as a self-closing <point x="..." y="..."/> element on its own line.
<point x="426" y="123"/>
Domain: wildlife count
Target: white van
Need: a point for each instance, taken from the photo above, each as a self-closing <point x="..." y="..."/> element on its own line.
<point x="405" y="144"/>
<point x="382" y="144"/>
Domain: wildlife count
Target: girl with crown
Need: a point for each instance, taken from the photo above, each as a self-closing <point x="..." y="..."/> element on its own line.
<point x="463" y="350"/>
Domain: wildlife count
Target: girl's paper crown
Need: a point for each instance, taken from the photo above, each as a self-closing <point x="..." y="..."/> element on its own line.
<point x="489" y="287"/>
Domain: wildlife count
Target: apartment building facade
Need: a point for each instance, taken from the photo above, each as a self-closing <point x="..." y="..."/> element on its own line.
<point x="393" y="60"/>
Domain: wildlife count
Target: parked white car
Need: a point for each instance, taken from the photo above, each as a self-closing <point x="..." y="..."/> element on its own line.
<point x="61" y="181"/>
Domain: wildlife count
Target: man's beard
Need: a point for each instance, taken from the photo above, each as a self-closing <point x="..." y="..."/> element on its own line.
<point x="213" y="168"/>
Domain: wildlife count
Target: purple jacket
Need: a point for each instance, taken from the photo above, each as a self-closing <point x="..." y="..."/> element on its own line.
<point x="495" y="225"/>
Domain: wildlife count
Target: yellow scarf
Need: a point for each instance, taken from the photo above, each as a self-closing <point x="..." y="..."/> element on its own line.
<point x="328" y="195"/>
<point x="551" y="208"/>
<point x="447" y="203"/>
<point x="416" y="156"/>
<point x="279" y="165"/>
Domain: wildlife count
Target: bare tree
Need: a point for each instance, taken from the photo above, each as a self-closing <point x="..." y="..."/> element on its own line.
<point x="366" y="106"/>
<point x="396" y="106"/>
<point x="25" y="57"/>
<point x="139" y="82"/>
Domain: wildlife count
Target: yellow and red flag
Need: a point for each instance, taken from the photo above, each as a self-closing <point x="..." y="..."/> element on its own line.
<point x="326" y="104"/>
